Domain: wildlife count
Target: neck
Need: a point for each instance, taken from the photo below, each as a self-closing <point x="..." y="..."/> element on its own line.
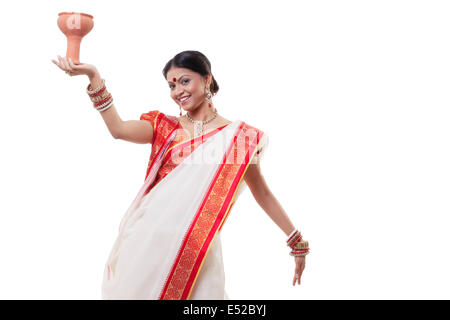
<point x="203" y="112"/>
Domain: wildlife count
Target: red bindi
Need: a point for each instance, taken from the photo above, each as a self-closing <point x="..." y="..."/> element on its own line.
<point x="174" y="79"/>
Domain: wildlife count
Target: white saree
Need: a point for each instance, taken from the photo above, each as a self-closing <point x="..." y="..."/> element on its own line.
<point x="169" y="244"/>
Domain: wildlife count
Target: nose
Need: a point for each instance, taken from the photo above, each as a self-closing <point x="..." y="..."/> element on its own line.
<point x="178" y="93"/>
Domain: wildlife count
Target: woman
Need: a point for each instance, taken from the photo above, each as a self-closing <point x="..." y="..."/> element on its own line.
<point x="168" y="245"/>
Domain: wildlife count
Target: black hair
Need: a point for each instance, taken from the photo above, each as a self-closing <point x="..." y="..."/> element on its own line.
<point x="195" y="61"/>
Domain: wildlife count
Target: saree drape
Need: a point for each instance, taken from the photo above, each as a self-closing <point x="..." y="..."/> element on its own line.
<point x="168" y="247"/>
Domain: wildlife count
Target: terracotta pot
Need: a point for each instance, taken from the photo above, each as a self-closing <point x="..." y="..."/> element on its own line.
<point x="75" y="26"/>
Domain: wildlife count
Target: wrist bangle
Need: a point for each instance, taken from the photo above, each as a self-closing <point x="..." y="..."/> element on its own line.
<point x="105" y="108"/>
<point x="291" y="233"/>
<point x="294" y="238"/>
<point x="300" y="249"/>
<point x="91" y="91"/>
<point x="100" y="97"/>
<point x="104" y="104"/>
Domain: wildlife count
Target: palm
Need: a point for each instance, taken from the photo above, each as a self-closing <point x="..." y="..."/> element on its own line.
<point x="74" y="69"/>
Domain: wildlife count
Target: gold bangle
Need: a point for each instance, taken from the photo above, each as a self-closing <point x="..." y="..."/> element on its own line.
<point x="299" y="254"/>
<point x="104" y="103"/>
<point x="95" y="90"/>
<point x="302" y="245"/>
<point x="100" y="97"/>
<point x="300" y="249"/>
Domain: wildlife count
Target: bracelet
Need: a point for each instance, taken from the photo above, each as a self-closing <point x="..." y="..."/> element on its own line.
<point x="300" y="249"/>
<point x="299" y="246"/>
<point x="102" y="102"/>
<point x="90" y="92"/>
<point x="294" y="238"/>
<point x="105" y="108"/>
<point x="100" y="97"/>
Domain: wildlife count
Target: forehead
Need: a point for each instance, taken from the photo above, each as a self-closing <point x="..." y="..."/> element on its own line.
<point x="178" y="72"/>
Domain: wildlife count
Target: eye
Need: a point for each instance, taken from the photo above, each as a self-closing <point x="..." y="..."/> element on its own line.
<point x="184" y="81"/>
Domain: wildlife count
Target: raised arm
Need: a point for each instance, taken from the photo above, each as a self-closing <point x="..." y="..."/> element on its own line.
<point x="137" y="131"/>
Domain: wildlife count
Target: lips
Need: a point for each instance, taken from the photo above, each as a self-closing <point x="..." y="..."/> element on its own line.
<point x="189" y="97"/>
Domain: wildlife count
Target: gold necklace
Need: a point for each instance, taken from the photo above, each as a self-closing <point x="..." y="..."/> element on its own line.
<point x="198" y="124"/>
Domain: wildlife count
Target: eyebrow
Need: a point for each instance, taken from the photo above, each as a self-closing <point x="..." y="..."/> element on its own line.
<point x="179" y="77"/>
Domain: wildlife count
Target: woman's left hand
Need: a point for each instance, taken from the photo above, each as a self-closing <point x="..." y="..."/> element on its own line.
<point x="299" y="266"/>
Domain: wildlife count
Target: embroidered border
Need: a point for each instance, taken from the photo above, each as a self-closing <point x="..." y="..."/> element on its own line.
<point x="209" y="217"/>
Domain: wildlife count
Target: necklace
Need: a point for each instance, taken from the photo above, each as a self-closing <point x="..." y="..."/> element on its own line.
<point x="198" y="124"/>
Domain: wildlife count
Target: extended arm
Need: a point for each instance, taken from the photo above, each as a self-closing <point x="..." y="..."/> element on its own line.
<point x="272" y="207"/>
<point x="264" y="197"/>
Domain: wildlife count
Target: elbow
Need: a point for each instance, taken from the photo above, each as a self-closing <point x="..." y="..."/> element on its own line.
<point x="115" y="134"/>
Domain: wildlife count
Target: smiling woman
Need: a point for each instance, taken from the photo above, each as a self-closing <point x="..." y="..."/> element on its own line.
<point x="168" y="246"/>
<point x="191" y="70"/>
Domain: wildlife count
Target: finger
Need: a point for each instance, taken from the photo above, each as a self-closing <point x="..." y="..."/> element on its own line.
<point x="302" y="267"/>
<point x="295" y="276"/>
<point x="59" y="66"/>
<point x="68" y="64"/>
<point x="72" y="65"/>
<point x="301" y="271"/>
<point x="64" y="62"/>
<point x="61" y="62"/>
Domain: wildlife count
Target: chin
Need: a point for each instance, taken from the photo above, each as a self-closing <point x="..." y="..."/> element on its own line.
<point x="189" y="108"/>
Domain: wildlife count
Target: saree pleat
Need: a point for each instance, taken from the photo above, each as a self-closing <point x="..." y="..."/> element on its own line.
<point x="170" y="246"/>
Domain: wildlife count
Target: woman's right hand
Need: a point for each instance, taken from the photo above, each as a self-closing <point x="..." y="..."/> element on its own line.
<point x="75" y="69"/>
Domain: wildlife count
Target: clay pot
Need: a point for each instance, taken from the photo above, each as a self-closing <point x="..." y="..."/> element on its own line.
<point x="75" y="26"/>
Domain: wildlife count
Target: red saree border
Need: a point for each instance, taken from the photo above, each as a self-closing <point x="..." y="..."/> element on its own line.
<point x="156" y="122"/>
<point x="192" y="141"/>
<point x="167" y="124"/>
<point x="152" y="163"/>
<point x="242" y="176"/>
<point x="160" y="149"/>
<point x="196" y="243"/>
<point x="218" y="223"/>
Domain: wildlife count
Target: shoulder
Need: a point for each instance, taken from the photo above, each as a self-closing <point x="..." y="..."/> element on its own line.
<point x="251" y="130"/>
<point x="156" y="117"/>
<point x="258" y="137"/>
<point x="151" y="116"/>
<point x="162" y="123"/>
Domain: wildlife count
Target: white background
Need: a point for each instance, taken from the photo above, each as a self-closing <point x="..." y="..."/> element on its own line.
<point x="353" y="96"/>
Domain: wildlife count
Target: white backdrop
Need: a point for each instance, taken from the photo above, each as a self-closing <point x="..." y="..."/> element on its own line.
<point x="353" y="96"/>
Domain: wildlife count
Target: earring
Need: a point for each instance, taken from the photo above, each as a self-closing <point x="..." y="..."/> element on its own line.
<point x="208" y="96"/>
<point x="180" y="111"/>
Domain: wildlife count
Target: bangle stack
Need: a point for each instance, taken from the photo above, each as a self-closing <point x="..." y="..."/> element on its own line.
<point x="100" y="97"/>
<point x="299" y="246"/>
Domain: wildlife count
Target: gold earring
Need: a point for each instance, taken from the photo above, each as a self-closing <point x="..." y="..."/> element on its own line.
<point x="208" y="94"/>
